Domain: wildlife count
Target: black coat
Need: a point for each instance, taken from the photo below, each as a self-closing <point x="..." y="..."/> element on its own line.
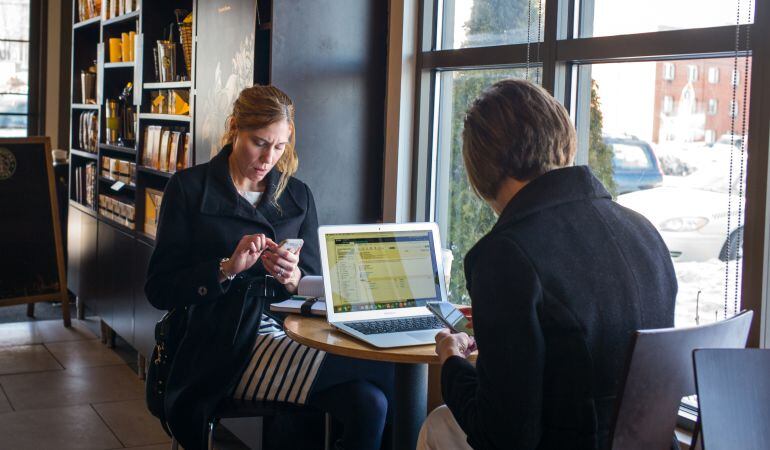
<point x="201" y="221"/>
<point x="558" y="287"/>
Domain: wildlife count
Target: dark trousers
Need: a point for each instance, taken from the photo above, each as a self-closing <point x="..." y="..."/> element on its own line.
<point x="357" y="393"/>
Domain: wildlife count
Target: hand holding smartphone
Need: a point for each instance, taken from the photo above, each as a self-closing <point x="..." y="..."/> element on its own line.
<point x="292" y="245"/>
<point x="452" y="317"/>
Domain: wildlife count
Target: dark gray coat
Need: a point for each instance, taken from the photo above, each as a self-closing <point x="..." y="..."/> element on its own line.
<point x="201" y="221"/>
<point x="558" y="287"/>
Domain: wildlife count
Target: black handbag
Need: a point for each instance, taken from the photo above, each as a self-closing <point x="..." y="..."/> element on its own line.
<point x="169" y="332"/>
<point x="171" y="329"/>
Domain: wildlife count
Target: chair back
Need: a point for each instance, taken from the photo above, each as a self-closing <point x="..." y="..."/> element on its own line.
<point x="659" y="374"/>
<point x="733" y="397"/>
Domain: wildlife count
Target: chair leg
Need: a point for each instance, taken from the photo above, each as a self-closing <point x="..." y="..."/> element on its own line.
<point x="327" y="432"/>
<point x="174" y="444"/>
<point x="212" y="425"/>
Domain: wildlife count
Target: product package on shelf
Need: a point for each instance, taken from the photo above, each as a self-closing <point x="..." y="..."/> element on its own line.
<point x="166" y="149"/>
<point x="152" y="201"/>
<point x="117" y="211"/>
<point x="88" y="9"/>
<point x="119" y="170"/>
<point x="170" y="101"/>
<point x="84" y="179"/>
<point x="116" y="8"/>
<point x="88" y="128"/>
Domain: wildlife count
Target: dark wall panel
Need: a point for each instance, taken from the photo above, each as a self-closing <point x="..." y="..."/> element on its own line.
<point x="330" y="57"/>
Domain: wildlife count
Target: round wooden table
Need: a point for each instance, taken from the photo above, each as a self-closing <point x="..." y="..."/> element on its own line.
<point x="411" y="370"/>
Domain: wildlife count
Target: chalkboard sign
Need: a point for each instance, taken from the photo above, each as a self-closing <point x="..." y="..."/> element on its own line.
<point x="31" y="253"/>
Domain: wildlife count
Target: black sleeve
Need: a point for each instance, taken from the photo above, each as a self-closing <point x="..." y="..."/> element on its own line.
<point x="172" y="279"/>
<point x="309" y="258"/>
<point x="498" y="402"/>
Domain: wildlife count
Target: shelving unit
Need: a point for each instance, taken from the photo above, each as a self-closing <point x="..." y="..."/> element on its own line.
<point x="108" y="259"/>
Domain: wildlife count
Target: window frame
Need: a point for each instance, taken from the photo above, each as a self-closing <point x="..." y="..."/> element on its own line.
<point x="563" y="57"/>
<point x="38" y="16"/>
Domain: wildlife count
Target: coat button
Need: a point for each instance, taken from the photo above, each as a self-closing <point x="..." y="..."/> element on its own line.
<point x="202" y="291"/>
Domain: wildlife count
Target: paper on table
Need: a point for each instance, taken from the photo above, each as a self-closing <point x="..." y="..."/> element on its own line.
<point x="293" y="306"/>
<point x="311" y="286"/>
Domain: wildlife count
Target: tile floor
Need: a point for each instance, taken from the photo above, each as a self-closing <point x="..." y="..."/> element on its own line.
<point x="63" y="389"/>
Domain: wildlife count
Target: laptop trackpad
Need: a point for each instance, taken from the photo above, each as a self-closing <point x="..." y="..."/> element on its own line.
<point x="426" y="336"/>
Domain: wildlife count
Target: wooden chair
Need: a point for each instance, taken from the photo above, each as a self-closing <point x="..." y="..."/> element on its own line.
<point x="733" y="397"/>
<point x="659" y="374"/>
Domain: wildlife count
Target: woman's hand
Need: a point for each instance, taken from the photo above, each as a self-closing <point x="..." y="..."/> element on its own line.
<point x="282" y="265"/>
<point x="453" y="344"/>
<point x="246" y="253"/>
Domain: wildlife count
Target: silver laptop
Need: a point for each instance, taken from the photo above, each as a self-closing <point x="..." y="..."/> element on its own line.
<point x="378" y="278"/>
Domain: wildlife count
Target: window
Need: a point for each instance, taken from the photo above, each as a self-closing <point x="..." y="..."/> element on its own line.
<point x="669" y="71"/>
<point x="673" y="192"/>
<point x="462" y="216"/>
<point x="713" y="75"/>
<point x="692" y="73"/>
<point x="632" y="112"/>
<point x="713" y="103"/>
<point x="616" y="17"/>
<point x="469" y="23"/>
<point x="668" y="104"/>
<point x="14" y="67"/>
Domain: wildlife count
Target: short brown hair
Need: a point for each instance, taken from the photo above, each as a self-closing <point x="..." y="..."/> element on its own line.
<point x="515" y="129"/>
<point x="258" y="107"/>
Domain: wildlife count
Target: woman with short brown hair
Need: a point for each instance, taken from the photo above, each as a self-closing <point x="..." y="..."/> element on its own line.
<point x="558" y="286"/>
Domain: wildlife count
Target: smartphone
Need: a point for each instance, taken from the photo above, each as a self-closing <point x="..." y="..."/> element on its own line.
<point x="451" y="316"/>
<point x="292" y="245"/>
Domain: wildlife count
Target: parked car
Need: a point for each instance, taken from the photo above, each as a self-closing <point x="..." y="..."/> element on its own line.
<point x="634" y="164"/>
<point x="691" y="215"/>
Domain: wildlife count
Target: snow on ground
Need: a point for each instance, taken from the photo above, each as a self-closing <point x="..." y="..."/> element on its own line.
<point x="708" y="277"/>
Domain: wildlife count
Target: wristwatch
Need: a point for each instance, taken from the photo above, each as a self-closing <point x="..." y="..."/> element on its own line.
<point x="228" y="276"/>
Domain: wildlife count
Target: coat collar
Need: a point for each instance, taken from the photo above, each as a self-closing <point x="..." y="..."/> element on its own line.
<point x="221" y="198"/>
<point x="557" y="187"/>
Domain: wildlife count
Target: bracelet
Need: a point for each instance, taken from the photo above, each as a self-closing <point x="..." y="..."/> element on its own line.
<point x="227" y="276"/>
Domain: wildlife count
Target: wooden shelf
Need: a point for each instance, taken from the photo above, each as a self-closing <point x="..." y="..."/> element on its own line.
<point x="123" y="18"/>
<point x="169" y="85"/>
<point x="117" y="148"/>
<point x="84" y="154"/>
<point x="167" y="117"/>
<point x="151" y="171"/>
<point x="84" y="106"/>
<point x="86" y="23"/>
<point x="83" y="208"/>
<point x="119" y="65"/>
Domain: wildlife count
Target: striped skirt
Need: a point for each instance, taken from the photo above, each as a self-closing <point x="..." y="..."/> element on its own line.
<point x="280" y="369"/>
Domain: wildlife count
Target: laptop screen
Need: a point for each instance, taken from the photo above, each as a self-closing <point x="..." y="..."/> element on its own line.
<point x="382" y="270"/>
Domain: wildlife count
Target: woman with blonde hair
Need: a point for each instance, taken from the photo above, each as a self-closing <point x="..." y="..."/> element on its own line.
<point x="219" y="226"/>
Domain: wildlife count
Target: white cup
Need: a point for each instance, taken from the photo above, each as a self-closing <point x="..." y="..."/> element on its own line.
<point x="447" y="257"/>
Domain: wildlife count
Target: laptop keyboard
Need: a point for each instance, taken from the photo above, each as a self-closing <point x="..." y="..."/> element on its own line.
<point x="397" y="325"/>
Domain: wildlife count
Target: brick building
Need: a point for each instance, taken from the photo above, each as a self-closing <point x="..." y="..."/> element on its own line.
<point x="694" y="99"/>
